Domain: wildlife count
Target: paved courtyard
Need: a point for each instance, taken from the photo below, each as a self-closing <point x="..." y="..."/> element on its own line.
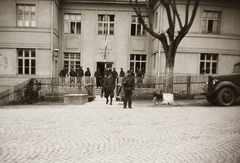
<point x="100" y="133"/>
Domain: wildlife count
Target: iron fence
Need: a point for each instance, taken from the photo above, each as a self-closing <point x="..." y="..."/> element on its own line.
<point x="181" y="84"/>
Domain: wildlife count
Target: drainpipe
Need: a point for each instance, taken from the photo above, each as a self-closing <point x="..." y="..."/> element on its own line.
<point x="51" y="39"/>
<point x="159" y="44"/>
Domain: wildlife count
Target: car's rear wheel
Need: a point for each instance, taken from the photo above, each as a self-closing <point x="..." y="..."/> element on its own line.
<point x="225" y="96"/>
<point x="212" y="99"/>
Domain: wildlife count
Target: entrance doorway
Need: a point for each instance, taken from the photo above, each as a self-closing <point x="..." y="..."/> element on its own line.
<point x="103" y="65"/>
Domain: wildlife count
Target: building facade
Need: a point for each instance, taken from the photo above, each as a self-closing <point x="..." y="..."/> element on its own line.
<point x="40" y="37"/>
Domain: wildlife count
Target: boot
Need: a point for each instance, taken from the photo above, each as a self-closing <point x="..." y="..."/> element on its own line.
<point x="107" y="101"/>
<point x="111" y="101"/>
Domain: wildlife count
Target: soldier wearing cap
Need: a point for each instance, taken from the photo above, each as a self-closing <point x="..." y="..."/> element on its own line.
<point x="129" y="87"/>
<point x="109" y="88"/>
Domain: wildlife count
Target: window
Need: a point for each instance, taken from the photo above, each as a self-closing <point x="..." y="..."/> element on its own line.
<point x="106" y="24"/>
<point x="26" y="15"/>
<point x="136" y="28"/>
<point x="208" y="63"/>
<point x="211" y="22"/>
<point x="72" y="23"/>
<point x="72" y="60"/>
<point x="26" y="61"/>
<point x="138" y="62"/>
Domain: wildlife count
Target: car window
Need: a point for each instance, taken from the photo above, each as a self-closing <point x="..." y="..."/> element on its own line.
<point x="236" y="69"/>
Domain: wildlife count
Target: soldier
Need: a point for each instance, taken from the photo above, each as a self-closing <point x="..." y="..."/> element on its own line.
<point x="122" y="73"/>
<point x="129" y="87"/>
<point x="106" y="72"/>
<point x="103" y="85"/>
<point x="114" y="74"/>
<point x="140" y="76"/>
<point x="73" y="74"/>
<point x="63" y="73"/>
<point x="80" y="74"/>
<point x="98" y="76"/>
<point x="88" y="73"/>
<point x="132" y="72"/>
<point x="109" y="88"/>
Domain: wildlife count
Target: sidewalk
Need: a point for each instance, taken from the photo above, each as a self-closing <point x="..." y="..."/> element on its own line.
<point x="101" y="102"/>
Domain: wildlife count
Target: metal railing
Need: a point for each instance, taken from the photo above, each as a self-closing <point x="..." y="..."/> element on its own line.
<point x="181" y="84"/>
<point x="64" y="85"/>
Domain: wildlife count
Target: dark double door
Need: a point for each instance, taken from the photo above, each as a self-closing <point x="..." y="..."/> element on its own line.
<point x="103" y="65"/>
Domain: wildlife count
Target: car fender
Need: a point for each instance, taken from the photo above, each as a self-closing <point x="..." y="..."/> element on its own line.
<point x="227" y="83"/>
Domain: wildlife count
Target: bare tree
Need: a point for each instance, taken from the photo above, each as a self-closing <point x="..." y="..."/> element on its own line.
<point x="171" y="39"/>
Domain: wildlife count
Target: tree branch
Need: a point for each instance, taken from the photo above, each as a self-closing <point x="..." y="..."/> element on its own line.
<point x="148" y="14"/>
<point x="174" y="8"/>
<point x="194" y="11"/>
<point x="186" y="27"/>
<point x="186" y="13"/>
<point x="142" y="22"/>
<point x="170" y="30"/>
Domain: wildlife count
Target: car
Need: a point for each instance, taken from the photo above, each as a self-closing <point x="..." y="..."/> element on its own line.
<point x="223" y="90"/>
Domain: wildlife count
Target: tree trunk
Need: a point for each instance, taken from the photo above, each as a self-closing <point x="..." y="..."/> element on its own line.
<point x="168" y="81"/>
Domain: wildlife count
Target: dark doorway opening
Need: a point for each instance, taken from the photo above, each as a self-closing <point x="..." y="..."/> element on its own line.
<point x="103" y="65"/>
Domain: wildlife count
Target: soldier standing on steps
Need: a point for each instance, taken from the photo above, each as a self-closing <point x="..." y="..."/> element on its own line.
<point x="73" y="74"/>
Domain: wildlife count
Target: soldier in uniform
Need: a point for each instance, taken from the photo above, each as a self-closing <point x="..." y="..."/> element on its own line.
<point x="109" y="88"/>
<point x="129" y="87"/>
<point x="73" y="74"/>
<point x="63" y="73"/>
<point x="80" y="74"/>
<point x="122" y="73"/>
<point x="88" y="73"/>
<point x="103" y="85"/>
<point x="106" y="72"/>
<point x="98" y="76"/>
<point x="114" y="74"/>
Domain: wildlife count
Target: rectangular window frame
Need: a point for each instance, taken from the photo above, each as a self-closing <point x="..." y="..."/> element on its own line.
<point x="28" y="59"/>
<point x="26" y="12"/>
<point x="137" y="28"/>
<point x="106" y="24"/>
<point x="72" y="61"/>
<point x="72" y="23"/>
<point x="138" y="61"/>
<point x="207" y="62"/>
<point x="211" y="22"/>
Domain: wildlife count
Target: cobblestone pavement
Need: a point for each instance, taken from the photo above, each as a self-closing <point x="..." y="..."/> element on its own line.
<point x="100" y="133"/>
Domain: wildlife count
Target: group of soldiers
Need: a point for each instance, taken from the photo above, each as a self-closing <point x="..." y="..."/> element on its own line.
<point x="106" y="81"/>
<point x="74" y="74"/>
<point x="107" y="84"/>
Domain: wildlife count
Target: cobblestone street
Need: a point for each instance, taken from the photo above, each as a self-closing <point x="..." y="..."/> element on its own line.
<point x="96" y="132"/>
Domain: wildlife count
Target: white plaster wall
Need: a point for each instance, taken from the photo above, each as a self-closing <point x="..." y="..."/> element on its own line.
<point x="43" y="63"/>
<point x="8" y="62"/>
<point x="44" y="14"/>
<point x="89" y="30"/>
<point x="186" y="63"/>
<point x="25" y="39"/>
<point x="226" y="63"/>
<point x="122" y="40"/>
<point x="7" y="13"/>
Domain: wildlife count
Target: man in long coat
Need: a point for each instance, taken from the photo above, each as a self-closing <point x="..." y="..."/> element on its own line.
<point x="129" y="87"/>
<point x="109" y="88"/>
<point x="98" y="76"/>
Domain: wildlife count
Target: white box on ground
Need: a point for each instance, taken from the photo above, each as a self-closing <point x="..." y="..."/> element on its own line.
<point x="75" y="99"/>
